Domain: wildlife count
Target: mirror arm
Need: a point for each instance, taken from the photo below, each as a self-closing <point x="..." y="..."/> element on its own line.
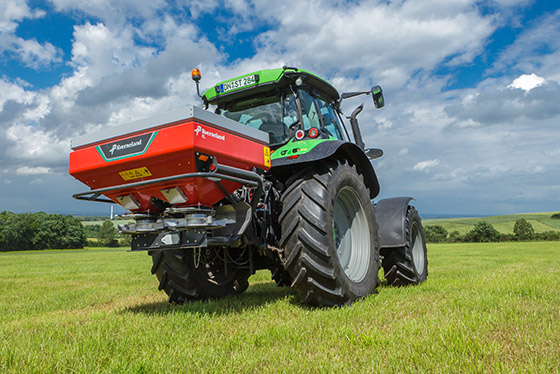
<point x="347" y="95"/>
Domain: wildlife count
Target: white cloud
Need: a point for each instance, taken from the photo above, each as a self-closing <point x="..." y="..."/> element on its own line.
<point x="527" y="82"/>
<point x="104" y="51"/>
<point x="384" y="41"/>
<point x="494" y="104"/>
<point x="111" y="12"/>
<point x="32" y="53"/>
<point x="26" y="170"/>
<point x="37" y="181"/>
<point x="30" y="146"/>
<point x="536" y="50"/>
<point x="426" y="165"/>
<point x="14" y="92"/>
<point x="11" y="12"/>
<point x="453" y="176"/>
<point x="116" y="78"/>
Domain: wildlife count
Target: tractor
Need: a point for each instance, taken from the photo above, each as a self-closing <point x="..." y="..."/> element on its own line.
<point x="265" y="175"/>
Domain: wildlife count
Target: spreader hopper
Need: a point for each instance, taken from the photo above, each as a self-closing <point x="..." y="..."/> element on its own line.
<point x="189" y="157"/>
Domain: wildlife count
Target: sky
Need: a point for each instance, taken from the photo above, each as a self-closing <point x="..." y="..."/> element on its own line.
<point x="471" y="124"/>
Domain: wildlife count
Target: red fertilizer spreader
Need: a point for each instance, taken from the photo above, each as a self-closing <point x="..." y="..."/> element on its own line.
<point x="189" y="157"/>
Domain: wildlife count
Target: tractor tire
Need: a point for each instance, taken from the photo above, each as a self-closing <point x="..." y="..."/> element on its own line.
<point x="329" y="235"/>
<point x="408" y="264"/>
<point x="281" y="277"/>
<point x="182" y="281"/>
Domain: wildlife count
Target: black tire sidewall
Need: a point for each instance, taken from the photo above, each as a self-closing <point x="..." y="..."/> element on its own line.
<point x="416" y="222"/>
<point x="177" y="273"/>
<point x="345" y="176"/>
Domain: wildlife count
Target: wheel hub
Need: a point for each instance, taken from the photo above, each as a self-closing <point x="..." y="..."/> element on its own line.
<point x="417" y="250"/>
<point x="351" y="234"/>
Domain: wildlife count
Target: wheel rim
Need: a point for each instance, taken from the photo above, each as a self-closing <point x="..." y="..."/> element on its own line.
<point x="417" y="249"/>
<point x="351" y="234"/>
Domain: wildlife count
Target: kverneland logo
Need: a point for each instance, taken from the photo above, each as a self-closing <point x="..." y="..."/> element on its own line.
<point x="134" y="146"/>
<point x="200" y="131"/>
<point x="118" y="147"/>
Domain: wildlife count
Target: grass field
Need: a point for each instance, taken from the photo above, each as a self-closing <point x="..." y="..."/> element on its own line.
<point x="541" y="222"/>
<point x="485" y="308"/>
<point x="115" y="222"/>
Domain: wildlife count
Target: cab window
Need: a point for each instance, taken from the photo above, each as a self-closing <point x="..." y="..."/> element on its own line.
<point x="317" y="112"/>
<point x="309" y="111"/>
<point x="273" y="114"/>
<point x="330" y="119"/>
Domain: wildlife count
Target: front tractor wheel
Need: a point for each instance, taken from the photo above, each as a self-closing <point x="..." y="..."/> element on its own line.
<point x="407" y="264"/>
<point x="186" y="276"/>
<point x="329" y="235"/>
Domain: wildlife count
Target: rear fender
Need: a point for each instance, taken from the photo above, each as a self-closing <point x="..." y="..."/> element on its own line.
<point x="339" y="149"/>
<point x="390" y="215"/>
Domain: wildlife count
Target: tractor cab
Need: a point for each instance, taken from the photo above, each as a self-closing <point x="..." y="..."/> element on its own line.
<point x="286" y="103"/>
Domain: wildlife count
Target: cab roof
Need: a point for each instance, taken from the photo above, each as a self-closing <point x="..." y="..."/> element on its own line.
<point x="264" y="81"/>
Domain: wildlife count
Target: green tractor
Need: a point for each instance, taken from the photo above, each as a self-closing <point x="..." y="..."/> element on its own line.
<point x="306" y="212"/>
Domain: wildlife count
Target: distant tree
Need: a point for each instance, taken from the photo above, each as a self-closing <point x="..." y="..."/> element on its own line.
<point x="548" y="235"/>
<point x="435" y="233"/>
<point x="523" y="230"/>
<point x="55" y="231"/>
<point x="92" y="231"/>
<point x="507" y="237"/>
<point x="49" y="231"/>
<point x="18" y="232"/>
<point x="482" y="231"/>
<point x="555" y="216"/>
<point x="455" y="237"/>
<point x="75" y="233"/>
<point x="107" y="234"/>
<point x="3" y="218"/>
<point x="126" y="241"/>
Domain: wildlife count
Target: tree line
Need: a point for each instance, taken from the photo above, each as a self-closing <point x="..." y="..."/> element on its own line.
<point x="483" y="231"/>
<point x="36" y="231"/>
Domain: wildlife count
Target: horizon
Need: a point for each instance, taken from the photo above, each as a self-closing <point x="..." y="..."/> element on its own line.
<point x="426" y="216"/>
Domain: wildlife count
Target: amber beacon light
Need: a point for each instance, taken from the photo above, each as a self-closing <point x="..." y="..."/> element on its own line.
<point x="196" y="76"/>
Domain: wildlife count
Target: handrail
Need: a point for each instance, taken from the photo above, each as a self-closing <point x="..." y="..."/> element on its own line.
<point x="222" y="172"/>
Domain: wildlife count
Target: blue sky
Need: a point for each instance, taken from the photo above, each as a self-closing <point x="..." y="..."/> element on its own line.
<point x="471" y="126"/>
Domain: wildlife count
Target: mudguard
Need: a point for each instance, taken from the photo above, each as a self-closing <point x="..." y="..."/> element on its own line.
<point x="390" y="215"/>
<point x="341" y="150"/>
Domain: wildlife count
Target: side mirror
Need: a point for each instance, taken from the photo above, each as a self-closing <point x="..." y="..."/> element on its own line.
<point x="377" y="94"/>
<point x="373" y="153"/>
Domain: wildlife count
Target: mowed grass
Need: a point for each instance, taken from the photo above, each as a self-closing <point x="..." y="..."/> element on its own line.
<point x="485" y="308"/>
<point x="541" y="222"/>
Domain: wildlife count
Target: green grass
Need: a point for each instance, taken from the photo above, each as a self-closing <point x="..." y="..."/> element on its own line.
<point x="541" y="222"/>
<point x="485" y="308"/>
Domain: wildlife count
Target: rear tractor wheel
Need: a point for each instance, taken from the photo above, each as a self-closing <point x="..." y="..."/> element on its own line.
<point x="329" y="235"/>
<point x="408" y="264"/>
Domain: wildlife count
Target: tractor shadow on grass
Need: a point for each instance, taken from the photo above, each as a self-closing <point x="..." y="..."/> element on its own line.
<point x="257" y="296"/>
